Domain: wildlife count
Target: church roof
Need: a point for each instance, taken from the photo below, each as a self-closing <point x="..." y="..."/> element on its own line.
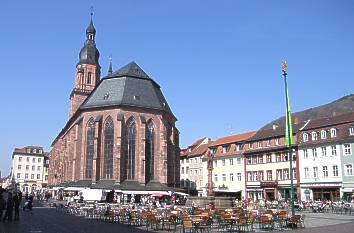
<point x="129" y="86"/>
<point x="132" y="70"/>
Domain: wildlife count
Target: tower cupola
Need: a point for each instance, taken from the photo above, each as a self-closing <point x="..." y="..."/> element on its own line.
<point x="89" y="54"/>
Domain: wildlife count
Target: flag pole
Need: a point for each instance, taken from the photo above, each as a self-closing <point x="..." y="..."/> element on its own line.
<point x="288" y="139"/>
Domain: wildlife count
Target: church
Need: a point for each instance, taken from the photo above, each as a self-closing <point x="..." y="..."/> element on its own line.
<point x="120" y="127"/>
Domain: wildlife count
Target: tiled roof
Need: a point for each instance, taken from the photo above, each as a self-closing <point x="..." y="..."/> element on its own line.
<point x="232" y="139"/>
<point x="338" y="107"/>
<point x="271" y="133"/>
<point x="131" y="185"/>
<point x="24" y="150"/>
<point x="104" y="184"/>
<point x="328" y="121"/>
<point x="129" y="86"/>
<point x="155" y="185"/>
<point x="197" y="148"/>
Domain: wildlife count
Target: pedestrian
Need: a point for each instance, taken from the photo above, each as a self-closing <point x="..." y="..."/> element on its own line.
<point x="9" y="208"/>
<point x="17" y="201"/>
<point x="2" y="205"/>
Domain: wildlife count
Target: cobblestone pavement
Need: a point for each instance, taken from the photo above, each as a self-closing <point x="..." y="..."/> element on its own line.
<point x="48" y="220"/>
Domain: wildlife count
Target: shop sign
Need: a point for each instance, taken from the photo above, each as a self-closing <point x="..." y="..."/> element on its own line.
<point x="271" y="184"/>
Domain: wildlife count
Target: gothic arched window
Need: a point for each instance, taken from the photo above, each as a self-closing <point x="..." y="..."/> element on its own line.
<point x="108" y="149"/>
<point x="89" y="77"/>
<point x="129" y="157"/>
<point x="90" y="137"/>
<point x="149" y="151"/>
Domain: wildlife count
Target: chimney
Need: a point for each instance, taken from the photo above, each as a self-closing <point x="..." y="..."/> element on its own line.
<point x="296" y="120"/>
<point x="334" y="114"/>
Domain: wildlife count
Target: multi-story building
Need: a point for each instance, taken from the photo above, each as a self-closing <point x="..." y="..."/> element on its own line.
<point x="326" y="158"/>
<point x="28" y="168"/>
<point x="192" y="171"/>
<point x="228" y="165"/>
<point x="268" y="166"/>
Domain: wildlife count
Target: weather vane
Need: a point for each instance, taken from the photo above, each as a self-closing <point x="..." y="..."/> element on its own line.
<point x="91" y="11"/>
<point x="283" y="66"/>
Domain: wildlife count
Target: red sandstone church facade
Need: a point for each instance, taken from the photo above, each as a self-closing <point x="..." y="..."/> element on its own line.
<point x="120" y="127"/>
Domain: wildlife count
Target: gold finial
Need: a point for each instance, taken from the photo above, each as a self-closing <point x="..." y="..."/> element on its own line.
<point x="283" y="66"/>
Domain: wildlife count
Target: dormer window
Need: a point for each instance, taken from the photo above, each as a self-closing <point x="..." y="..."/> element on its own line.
<point x="314" y="136"/>
<point x="323" y="134"/>
<point x="333" y="133"/>
<point x="305" y="137"/>
<point x="351" y="130"/>
<point x="28" y="150"/>
<point x="225" y="149"/>
<point x="212" y="151"/>
<point x="251" y="145"/>
<point x="268" y="142"/>
<point x="238" y="147"/>
<point x="106" y="96"/>
<point x="276" y="141"/>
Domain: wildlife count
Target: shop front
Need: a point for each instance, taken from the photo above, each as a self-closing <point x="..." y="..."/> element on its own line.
<point x="323" y="192"/>
<point x="269" y="190"/>
<point x="348" y="194"/>
<point x="328" y="193"/>
<point x="254" y="193"/>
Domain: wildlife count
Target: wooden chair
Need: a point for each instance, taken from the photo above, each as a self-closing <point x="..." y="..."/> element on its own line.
<point x="187" y="225"/>
<point x="265" y="223"/>
<point x="294" y="221"/>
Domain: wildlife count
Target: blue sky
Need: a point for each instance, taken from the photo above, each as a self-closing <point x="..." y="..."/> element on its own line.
<point x="218" y="62"/>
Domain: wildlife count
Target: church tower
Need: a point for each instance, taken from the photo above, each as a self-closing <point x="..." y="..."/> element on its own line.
<point x="88" y="70"/>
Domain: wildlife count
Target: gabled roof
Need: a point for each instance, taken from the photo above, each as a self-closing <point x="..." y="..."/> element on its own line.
<point x="197" y="148"/>
<point x="232" y="139"/>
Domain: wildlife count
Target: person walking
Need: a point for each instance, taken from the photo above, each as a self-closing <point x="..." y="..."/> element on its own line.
<point x="17" y="201"/>
<point x="9" y="208"/>
<point x="2" y="205"/>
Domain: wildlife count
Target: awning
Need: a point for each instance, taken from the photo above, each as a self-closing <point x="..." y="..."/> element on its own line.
<point x="348" y="190"/>
<point x="227" y="191"/>
<point x="73" y="189"/>
<point x="182" y="194"/>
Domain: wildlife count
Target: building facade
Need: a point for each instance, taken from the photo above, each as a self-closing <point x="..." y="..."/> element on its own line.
<point x="192" y="172"/>
<point x="228" y="167"/>
<point x="326" y="158"/>
<point x="120" y="127"/>
<point x="267" y="165"/>
<point x="28" y="168"/>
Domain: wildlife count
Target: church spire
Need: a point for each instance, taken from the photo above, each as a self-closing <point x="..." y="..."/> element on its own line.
<point x="110" y="69"/>
<point x="90" y="30"/>
<point x="89" y="53"/>
<point x="88" y="70"/>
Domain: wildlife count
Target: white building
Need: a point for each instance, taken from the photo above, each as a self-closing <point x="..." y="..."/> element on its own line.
<point x="28" y="168"/>
<point x="192" y="172"/>
<point x="228" y="174"/>
<point x="322" y="155"/>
